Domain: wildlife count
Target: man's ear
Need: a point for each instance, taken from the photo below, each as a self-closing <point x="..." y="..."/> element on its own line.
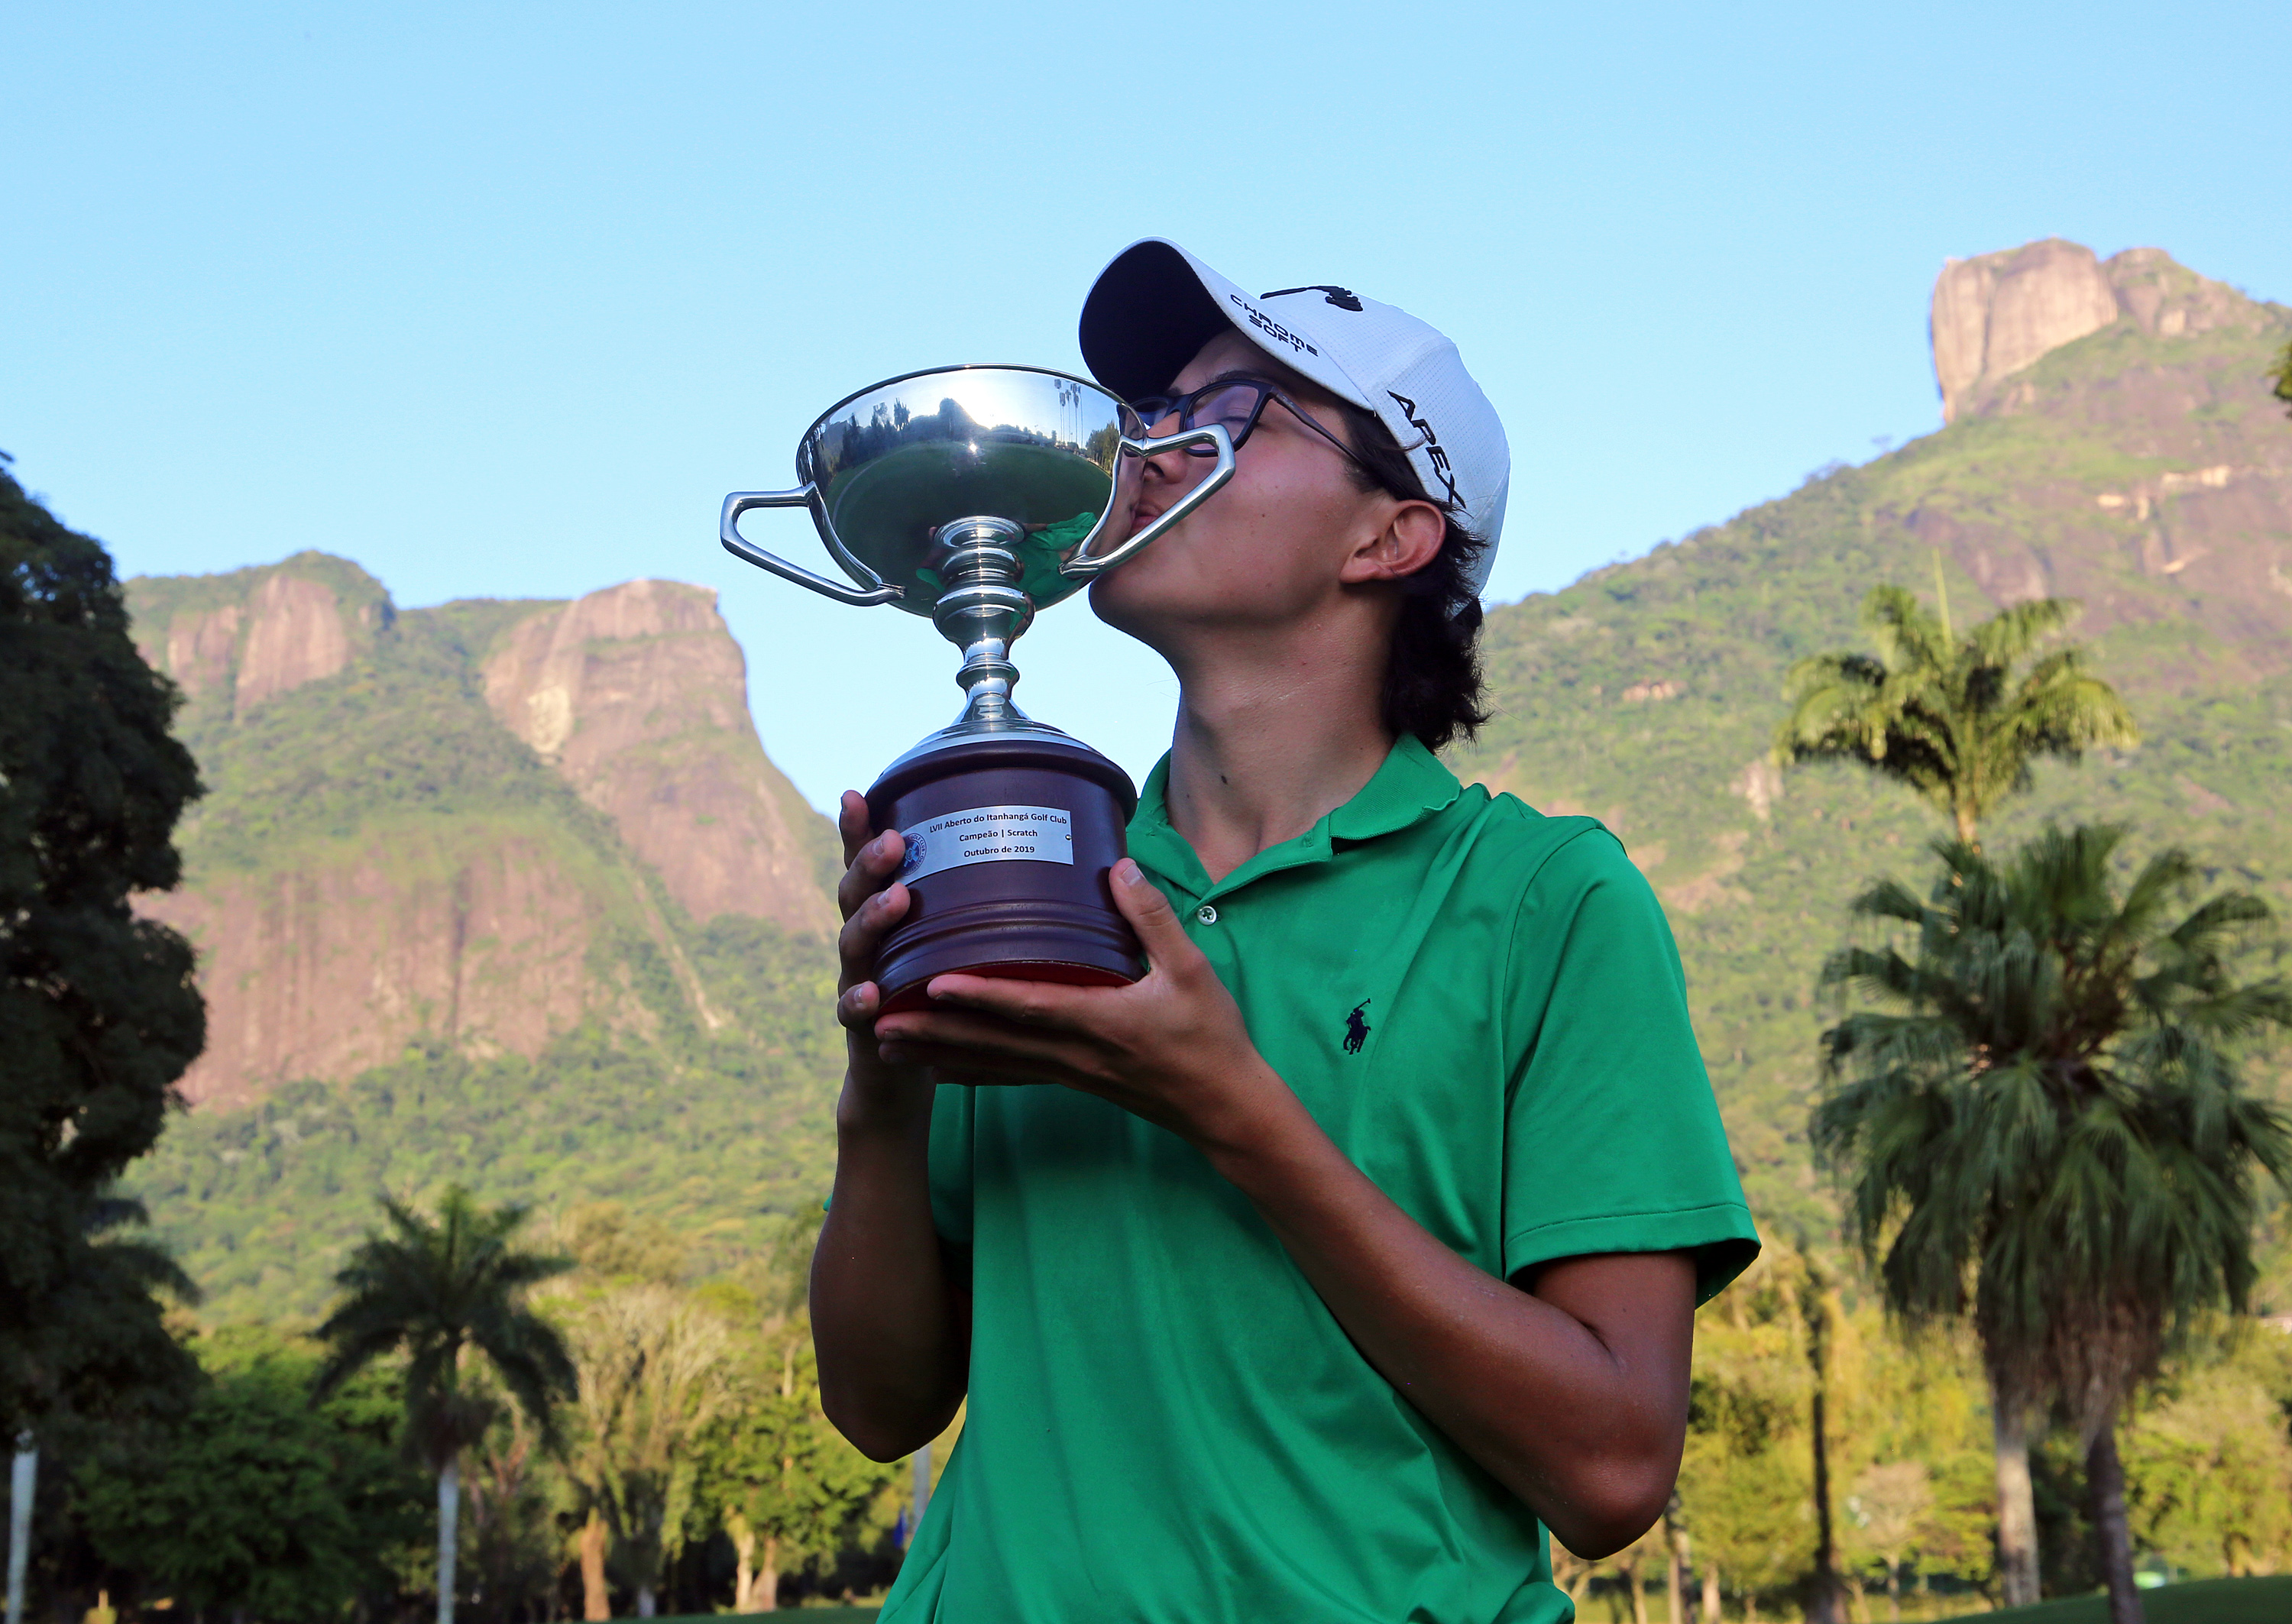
<point x="1410" y="540"/>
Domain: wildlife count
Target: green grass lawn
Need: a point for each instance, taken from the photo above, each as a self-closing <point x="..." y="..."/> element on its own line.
<point x="2204" y="1600"/>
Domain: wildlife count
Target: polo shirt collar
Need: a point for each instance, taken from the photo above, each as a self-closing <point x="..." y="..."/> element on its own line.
<point x="1411" y="786"/>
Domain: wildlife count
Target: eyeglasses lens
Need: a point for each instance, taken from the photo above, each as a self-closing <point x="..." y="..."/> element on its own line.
<point x="1235" y="406"/>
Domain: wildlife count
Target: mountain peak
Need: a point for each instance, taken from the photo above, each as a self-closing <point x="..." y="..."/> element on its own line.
<point x="637" y="695"/>
<point x="1996" y="313"/>
<point x="390" y="851"/>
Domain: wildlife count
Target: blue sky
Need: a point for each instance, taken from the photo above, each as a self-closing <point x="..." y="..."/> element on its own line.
<point x="499" y="299"/>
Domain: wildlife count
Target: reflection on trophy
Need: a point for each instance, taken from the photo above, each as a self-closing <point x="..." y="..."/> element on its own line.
<point x="977" y="495"/>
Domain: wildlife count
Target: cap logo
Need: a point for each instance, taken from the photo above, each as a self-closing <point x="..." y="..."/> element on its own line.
<point x="1343" y="298"/>
<point x="1272" y="328"/>
<point x="1431" y="447"/>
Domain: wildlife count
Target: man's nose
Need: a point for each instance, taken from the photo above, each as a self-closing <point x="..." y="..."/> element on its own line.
<point x="1169" y="465"/>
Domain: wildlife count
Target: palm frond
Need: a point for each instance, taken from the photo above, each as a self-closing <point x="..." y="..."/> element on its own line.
<point x="438" y="1290"/>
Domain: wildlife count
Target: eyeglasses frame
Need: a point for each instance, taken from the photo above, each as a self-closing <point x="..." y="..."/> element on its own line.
<point x="1267" y="389"/>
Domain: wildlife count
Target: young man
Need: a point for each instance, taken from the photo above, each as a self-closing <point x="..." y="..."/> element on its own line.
<point x="1360" y="1243"/>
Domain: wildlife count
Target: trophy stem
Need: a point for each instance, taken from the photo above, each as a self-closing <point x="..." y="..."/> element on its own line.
<point x="981" y="610"/>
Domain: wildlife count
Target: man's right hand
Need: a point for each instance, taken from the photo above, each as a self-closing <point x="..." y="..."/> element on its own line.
<point x="873" y="901"/>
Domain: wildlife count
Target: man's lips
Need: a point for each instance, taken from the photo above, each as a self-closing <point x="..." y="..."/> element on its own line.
<point x="1141" y="514"/>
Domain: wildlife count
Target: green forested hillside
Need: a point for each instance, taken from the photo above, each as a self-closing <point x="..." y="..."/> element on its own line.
<point x="1647" y="693"/>
<point x="713" y="1135"/>
<point x="696" y="1089"/>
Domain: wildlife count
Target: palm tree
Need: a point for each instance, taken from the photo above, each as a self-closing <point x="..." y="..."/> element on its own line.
<point x="2042" y="1128"/>
<point x="438" y="1290"/>
<point x="1947" y="714"/>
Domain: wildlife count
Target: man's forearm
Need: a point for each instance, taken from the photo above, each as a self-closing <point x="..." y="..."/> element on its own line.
<point x="1582" y="1421"/>
<point x="885" y="1321"/>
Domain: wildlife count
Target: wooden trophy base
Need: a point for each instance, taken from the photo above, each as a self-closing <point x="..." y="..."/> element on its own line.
<point x="1010" y="837"/>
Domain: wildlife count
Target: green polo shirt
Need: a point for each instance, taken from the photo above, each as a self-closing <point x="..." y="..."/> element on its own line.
<point x="1483" y="1007"/>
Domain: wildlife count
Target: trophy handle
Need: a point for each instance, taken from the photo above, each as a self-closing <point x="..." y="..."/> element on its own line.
<point x="873" y="589"/>
<point x="1081" y="568"/>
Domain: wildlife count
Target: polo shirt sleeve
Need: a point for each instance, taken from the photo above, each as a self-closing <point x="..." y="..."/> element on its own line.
<point x="1612" y="1138"/>
<point x="952" y="1109"/>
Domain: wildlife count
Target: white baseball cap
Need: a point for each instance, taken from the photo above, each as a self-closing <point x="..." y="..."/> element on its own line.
<point x="1155" y="306"/>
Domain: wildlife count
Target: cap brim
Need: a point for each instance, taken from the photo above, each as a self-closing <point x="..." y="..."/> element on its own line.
<point x="1148" y="315"/>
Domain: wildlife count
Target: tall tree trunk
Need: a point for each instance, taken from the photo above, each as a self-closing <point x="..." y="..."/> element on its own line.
<point x="1711" y="1613"/>
<point x="596" y="1602"/>
<point x="23" y="1482"/>
<point x="2105" y="1475"/>
<point x="2017" y="1511"/>
<point x="645" y="1607"/>
<point x="449" y="1522"/>
<point x="1894" y="1592"/>
<point x="1822" y="1606"/>
<point x="744" y="1546"/>
<point x="767" y="1578"/>
<point x="1676" y="1542"/>
<point x="1631" y="1571"/>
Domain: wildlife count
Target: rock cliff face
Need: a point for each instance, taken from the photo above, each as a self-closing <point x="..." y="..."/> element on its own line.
<point x="294" y="635"/>
<point x="2140" y="466"/>
<point x="332" y="963"/>
<point x="233" y="641"/>
<point x="637" y="695"/>
<point x="1995" y="314"/>
<point x="394" y="848"/>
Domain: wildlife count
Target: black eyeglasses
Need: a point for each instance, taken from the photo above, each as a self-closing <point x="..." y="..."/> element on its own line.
<point x="1237" y="403"/>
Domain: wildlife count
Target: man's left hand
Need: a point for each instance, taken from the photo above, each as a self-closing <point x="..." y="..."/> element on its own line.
<point x="1171" y="1048"/>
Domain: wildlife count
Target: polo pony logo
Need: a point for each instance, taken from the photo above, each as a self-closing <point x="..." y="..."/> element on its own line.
<point x="1356" y="1028"/>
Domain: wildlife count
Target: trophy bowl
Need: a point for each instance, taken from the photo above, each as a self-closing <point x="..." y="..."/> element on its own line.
<point x="975" y="496"/>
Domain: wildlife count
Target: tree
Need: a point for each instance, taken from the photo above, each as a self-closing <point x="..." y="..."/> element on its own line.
<point x="2210" y="1463"/>
<point x="780" y="1482"/>
<point x="515" y="1544"/>
<point x="2043" y="1130"/>
<point x="651" y="1376"/>
<point x="98" y="1013"/>
<point x="1887" y="1515"/>
<point x="447" y="1292"/>
<point x="2281" y="375"/>
<point x="1817" y="1310"/>
<point x="257" y="1499"/>
<point x="1745" y="1477"/>
<point x="1947" y="715"/>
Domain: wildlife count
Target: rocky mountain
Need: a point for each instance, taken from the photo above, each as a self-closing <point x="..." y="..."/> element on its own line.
<point x="637" y="696"/>
<point x="403" y="909"/>
<point x="2111" y="438"/>
<point x="509" y="893"/>
<point x="501" y="893"/>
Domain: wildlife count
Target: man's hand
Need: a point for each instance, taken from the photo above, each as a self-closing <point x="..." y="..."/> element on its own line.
<point x="1171" y="1048"/>
<point x="872" y="901"/>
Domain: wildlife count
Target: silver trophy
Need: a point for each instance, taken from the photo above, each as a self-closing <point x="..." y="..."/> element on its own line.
<point x="977" y="495"/>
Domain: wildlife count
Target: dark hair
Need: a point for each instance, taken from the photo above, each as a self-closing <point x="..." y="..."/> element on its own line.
<point x="1432" y="686"/>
